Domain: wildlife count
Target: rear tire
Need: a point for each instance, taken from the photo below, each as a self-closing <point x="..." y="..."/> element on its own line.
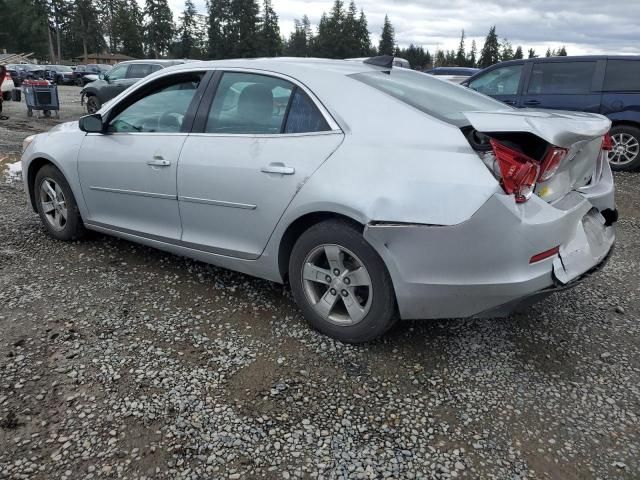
<point x="6" y="96"/>
<point x="332" y="263"/>
<point x="56" y="205"/>
<point x="625" y="155"/>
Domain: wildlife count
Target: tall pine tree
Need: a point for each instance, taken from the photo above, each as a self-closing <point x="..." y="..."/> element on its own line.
<point x="387" y="39"/>
<point x="270" y="41"/>
<point x="490" y="53"/>
<point x="159" y="27"/>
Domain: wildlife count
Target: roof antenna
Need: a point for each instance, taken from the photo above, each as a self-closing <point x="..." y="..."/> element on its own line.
<point x="385" y="61"/>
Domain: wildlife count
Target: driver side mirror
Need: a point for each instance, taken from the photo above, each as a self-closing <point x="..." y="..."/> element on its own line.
<point x="91" y="123"/>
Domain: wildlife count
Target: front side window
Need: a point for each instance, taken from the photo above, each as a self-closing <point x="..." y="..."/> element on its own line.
<point x="500" y="81"/>
<point x="138" y="70"/>
<point x="160" y="110"/>
<point x="561" y="78"/>
<point x="117" y="73"/>
<point x="246" y="103"/>
<point x="622" y="76"/>
<point x="445" y="101"/>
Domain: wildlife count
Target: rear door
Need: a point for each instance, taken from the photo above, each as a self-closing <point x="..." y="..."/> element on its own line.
<point x="563" y="85"/>
<point x="254" y="145"/>
<point x="621" y="90"/>
<point x="501" y="83"/>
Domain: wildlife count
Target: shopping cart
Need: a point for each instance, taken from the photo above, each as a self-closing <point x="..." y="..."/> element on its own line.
<point x="40" y="95"/>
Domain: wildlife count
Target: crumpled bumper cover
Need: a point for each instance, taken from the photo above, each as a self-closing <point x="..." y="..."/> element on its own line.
<point x="482" y="265"/>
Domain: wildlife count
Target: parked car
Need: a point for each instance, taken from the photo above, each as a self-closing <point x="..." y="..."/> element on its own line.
<point x="26" y="71"/>
<point x="121" y="76"/>
<point x="84" y="74"/>
<point x="453" y="74"/>
<point x="59" y="74"/>
<point x="609" y="85"/>
<point x="377" y="193"/>
<point x="6" y="83"/>
<point x="12" y="68"/>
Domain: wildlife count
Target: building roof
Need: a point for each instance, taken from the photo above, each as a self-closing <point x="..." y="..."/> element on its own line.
<point x="107" y="56"/>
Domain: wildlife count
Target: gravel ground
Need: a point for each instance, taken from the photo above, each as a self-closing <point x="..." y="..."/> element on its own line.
<point x="119" y="361"/>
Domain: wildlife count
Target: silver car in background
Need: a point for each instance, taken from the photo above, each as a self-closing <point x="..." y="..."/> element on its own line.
<point x="377" y="192"/>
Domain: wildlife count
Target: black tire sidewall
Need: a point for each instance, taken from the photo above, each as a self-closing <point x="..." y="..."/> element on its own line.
<point x="74" y="228"/>
<point x="382" y="314"/>
<point x="629" y="130"/>
<point x="94" y="101"/>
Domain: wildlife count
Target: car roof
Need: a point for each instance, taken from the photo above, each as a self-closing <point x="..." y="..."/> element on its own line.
<point x="164" y="62"/>
<point x="569" y="59"/>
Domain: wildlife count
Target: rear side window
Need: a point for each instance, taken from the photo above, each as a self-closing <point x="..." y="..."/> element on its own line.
<point x="138" y="70"/>
<point x="564" y="78"/>
<point x="442" y="100"/>
<point x="622" y="76"/>
<point x="304" y="116"/>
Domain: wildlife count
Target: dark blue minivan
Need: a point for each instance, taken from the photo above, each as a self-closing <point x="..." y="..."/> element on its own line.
<point x="609" y="85"/>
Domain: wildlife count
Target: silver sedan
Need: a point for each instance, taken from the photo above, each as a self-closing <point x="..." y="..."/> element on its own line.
<point x="377" y="192"/>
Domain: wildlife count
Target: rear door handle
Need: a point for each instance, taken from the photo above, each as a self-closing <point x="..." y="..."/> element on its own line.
<point x="158" y="162"/>
<point x="278" y="167"/>
<point x="532" y="103"/>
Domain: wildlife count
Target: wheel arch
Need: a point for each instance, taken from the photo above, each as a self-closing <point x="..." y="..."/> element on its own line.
<point x="628" y="123"/>
<point x="300" y="225"/>
<point x="33" y="169"/>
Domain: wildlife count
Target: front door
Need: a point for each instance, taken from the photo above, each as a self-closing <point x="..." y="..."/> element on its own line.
<point x="501" y="83"/>
<point x="260" y="140"/>
<point x="128" y="173"/>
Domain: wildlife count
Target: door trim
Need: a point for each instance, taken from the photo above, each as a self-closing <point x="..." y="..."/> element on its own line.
<point x="134" y="192"/>
<point x="219" y="203"/>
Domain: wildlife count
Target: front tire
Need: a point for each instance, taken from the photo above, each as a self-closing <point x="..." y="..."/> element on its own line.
<point x="6" y="96"/>
<point x="625" y="155"/>
<point x="341" y="284"/>
<point x="56" y="205"/>
<point x="93" y="104"/>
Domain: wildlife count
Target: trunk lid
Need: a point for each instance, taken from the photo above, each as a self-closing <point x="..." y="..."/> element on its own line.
<point x="578" y="132"/>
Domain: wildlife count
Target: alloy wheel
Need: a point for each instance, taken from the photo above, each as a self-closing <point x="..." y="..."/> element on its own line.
<point x="337" y="284"/>
<point x="625" y="149"/>
<point x="53" y="203"/>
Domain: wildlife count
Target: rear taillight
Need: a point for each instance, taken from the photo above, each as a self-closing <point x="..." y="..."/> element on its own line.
<point x="607" y="143"/>
<point x="519" y="172"/>
<point x="544" y="255"/>
<point x="551" y="163"/>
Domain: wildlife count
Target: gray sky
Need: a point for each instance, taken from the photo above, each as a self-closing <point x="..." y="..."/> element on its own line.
<point x="583" y="26"/>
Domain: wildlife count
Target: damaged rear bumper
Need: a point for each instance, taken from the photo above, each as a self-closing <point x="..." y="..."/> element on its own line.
<point x="482" y="267"/>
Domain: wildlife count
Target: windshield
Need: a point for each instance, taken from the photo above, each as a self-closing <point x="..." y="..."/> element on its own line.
<point x="438" y="98"/>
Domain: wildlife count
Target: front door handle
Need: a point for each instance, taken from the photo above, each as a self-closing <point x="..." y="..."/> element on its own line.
<point x="159" y="162"/>
<point x="278" y="167"/>
<point x="531" y="103"/>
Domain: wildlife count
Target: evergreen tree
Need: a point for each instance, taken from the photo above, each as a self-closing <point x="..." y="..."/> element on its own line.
<point x="440" y="60"/>
<point x="506" y="50"/>
<point x="532" y="53"/>
<point x="461" y="56"/>
<point x="86" y="30"/>
<point x="270" y="41"/>
<point x="562" y="52"/>
<point x="550" y="53"/>
<point x="187" y="30"/>
<point x="242" y="34"/>
<point x="218" y="46"/>
<point x="297" y="45"/>
<point x="387" y="39"/>
<point x="159" y="27"/>
<point x="518" y="55"/>
<point x="24" y="27"/>
<point x="473" y="55"/>
<point x="128" y="29"/>
<point x="362" y="33"/>
<point x="490" y="54"/>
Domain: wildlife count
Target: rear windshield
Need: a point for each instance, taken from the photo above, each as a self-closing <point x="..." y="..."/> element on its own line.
<point x="438" y="98"/>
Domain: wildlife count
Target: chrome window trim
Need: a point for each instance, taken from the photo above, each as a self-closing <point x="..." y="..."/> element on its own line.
<point x="333" y="124"/>
<point x="266" y="135"/>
